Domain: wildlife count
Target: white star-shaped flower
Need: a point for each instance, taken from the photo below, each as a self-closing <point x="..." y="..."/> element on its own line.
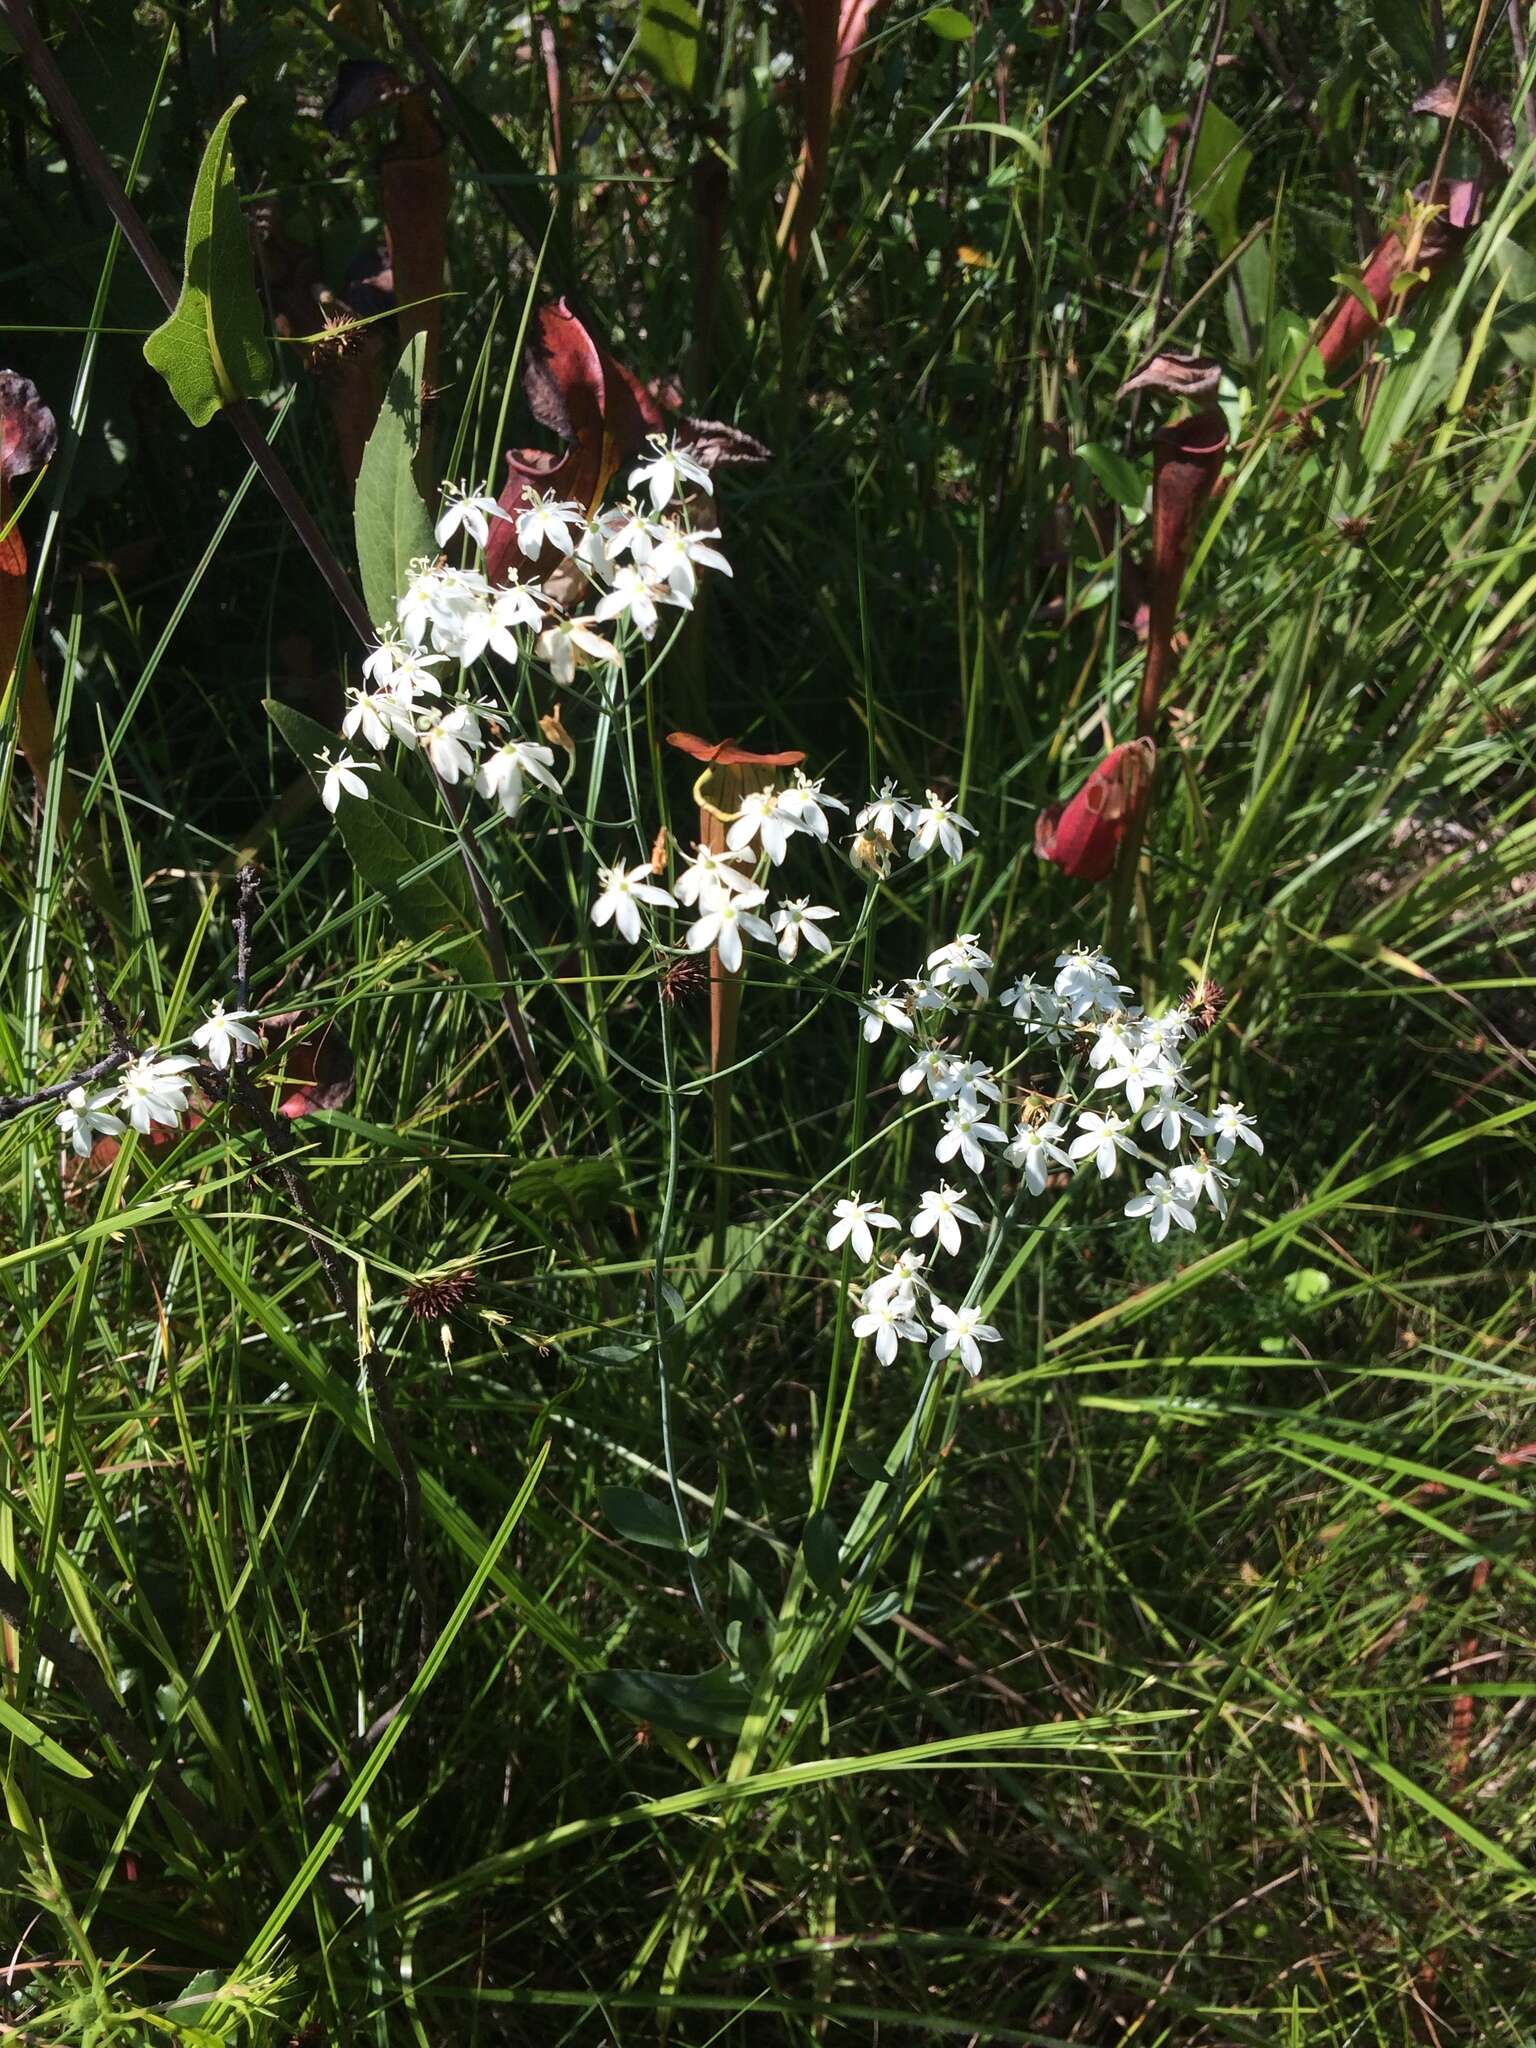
<point x="937" y="823"/>
<point x="710" y="879"/>
<point x="885" y="813"/>
<point x="342" y="774"/>
<point x="1102" y="1140"/>
<point x="548" y="521"/>
<point x="224" y="1030"/>
<point x="621" y="891"/>
<point x="666" y="470"/>
<point x="85" y="1118"/>
<point x="153" y="1090"/>
<point x="801" y="919"/>
<point x="961" y="1330"/>
<point x="888" y="1321"/>
<point x="878" y="1010"/>
<point x="942" y="1211"/>
<point x="765" y="818"/>
<point x="1228" y="1123"/>
<point x="806" y="802"/>
<point x="1161" y="1203"/>
<point x="723" y="926"/>
<point x="966" y="1130"/>
<point x="501" y="775"/>
<point x="855" y="1221"/>
<point x="470" y="512"/>
<point x="570" y="644"/>
<point x="1036" y="1148"/>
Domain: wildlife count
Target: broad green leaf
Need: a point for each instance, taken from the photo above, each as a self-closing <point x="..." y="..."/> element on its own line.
<point x="704" y="1703"/>
<point x="15" y="1724"/>
<point x="1306" y="1285"/>
<point x="395" y="846"/>
<point x="639" y="1519"/>
<point x="390" y="520"/>
<point x="1122" y="479"/>
<point x="1216" y="176"/>
<point x="212" y="350"/>
<point x="949" y="24"/>
<point x="669" y="41"/>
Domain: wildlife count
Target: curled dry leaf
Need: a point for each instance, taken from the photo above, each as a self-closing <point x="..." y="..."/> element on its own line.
<point x="1082" y="836"/>
<point x="28" y="431"/>
<point x="1180" y="375"/>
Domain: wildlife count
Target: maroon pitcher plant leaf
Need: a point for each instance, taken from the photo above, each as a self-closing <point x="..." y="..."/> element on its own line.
<point x="1425" y="247"/>
<point x="1186" y="462"/>
<point x="599" y="409"/>
<point x="1082" y="836"/>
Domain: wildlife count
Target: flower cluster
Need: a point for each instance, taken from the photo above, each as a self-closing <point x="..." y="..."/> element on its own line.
<point x="1108" y="1052"/>
<point x="151" y="1089"/>
<point x="626" y="563"/>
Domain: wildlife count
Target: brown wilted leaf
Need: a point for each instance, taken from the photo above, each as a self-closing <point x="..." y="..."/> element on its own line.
<point x="1484" y="116"/>
<point x="1180" y="375"/>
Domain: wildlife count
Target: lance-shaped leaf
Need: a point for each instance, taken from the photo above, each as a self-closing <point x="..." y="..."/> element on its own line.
<point x="1186" y="462"/>
<point x="390" y="520"/>
<point x="394" y="845"/>
<point x="212" y="350"/>
<point x="1082" y="836"/>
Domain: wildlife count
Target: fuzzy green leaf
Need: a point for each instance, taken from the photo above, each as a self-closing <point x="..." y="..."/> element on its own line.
<point x="390" y="520"/>
<point x="212" y="349"/>
<point x="390" y="839"/>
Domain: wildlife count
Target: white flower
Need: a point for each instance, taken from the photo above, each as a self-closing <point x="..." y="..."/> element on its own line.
<point x="1037" y="1148"/>
<point x="379" y="662"/>
<point x="341" y="774"/>
<point x="470" y="510"/>
<point x="902" y="1282"/>
<point x="1085" y="980"/>
<point x="224" y="1030"/>
<point x="968" y="1081"/>
<point x="764" y="817"/>
<point x="1101" y="1140"/>
<point x="710" y="879"/>
<point x="439" y="600"/>
<point x="1201" y="1178"/>
<point x="547" y="520"/>
<point x="1029" y="998"/>
<point x="1171" y="1116"/>
<point x="1228" y="1122"/>
<point x="806" y="804"/>
<point x="961" y="964"/>
<point x="635" y="597"/>
<point x="612" y="534"/>
<point x="85" y="1118"/>
<point x="723" y="926"/>
<point x="448" y="739"/>
<point x="570" y="644"/>
<point x="965" y="1131"/>
<point x="962" y="1330"/>
<point x="1117" y="1037"/>
<point x="493" y="621"/>
<point x="500" y="775"/>
<point x="801" y="919"/>
<point x="668" y="469"/>
<point x="878" y="1009"/>
<point x="621" y="891"/>
<point x="670" y="556"/>
<point x="366" y="716"/>
<point x="855" y="1220"/>
<point x="153" y="1091"/>
<point x="1138" y="1070"/>
<point x="933" y="1069"/>
<point x="928" y="999"/>
<point x="1161" y="1203"/>
<point x="936" y="824"/>
<point x="885" y="813"/>
<point x="888" y="1320"/>
<point x="410" y="675"/>
<point x="943" y="1212"/>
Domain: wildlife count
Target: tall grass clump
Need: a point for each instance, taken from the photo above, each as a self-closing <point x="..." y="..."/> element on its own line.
<point x="765" y="1029"/>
